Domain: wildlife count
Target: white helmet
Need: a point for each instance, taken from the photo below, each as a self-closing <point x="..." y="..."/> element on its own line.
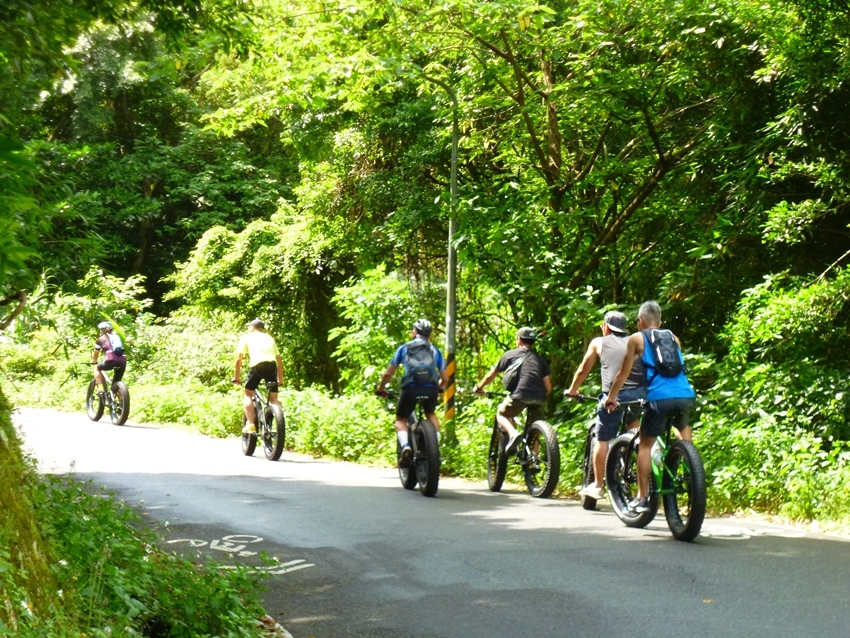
<point x="104" y="325"/>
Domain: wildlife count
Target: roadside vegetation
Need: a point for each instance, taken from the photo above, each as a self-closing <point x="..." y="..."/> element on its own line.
<point x="180" y="172"/>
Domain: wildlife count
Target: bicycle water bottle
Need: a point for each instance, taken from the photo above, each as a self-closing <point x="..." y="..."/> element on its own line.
<point x="656" y="453"/>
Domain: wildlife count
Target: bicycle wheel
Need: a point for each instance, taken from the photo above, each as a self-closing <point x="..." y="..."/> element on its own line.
<point x="406" y="474"/>
<point x="120" y="408"/>
<point x="683" y="489"/>
<point x="621" y="479"/>
<point x="543" y="460"/>
<point x="94" y="402"/>
<point x="274" y="433"/>
<point x="427" y="460"/>
<point x="588" y="475"/>
<point x="497" y="460"/>
<point x="249" y="441"/>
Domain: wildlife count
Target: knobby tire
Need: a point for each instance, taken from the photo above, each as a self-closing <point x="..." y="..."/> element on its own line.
<point x="497" y="460"/>
<point x="683" y="489"/>
<point x="427" y="459"/>
<point x="120" y="409"/>
<point x="94" y="402"/>
<point x="543" y="460"/>
<point x="275" y="435"/>
<point x="249" y="441"/>
<point x="622" y="482"/>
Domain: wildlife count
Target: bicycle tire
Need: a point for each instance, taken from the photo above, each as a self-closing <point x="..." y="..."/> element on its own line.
<point x="497" y="460"/>
<point x="543" y="460"/>
<point x="120" y="408"/>
<point x="427" y="460"/>
<point x="275" y="433"/>
<point x="685" y="503"/>
<point x="622" y="482"/>
<point x="249" y="441"/>
<point x="588" y="474"/>
<point x="94" y="402"/>
<point x="407" y="475"/>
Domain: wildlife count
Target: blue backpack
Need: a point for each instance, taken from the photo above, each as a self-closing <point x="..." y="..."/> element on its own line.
<point x="420" y="366"/>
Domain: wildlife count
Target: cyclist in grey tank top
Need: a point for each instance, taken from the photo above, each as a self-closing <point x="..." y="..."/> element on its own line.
<point x="610" y="349"/>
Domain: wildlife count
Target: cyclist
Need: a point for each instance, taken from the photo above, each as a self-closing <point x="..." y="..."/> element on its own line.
<point x="109" y="342"/>
<point x="664" y="393"/>
<point x="266" y="365"/>
<point x="609" y="349"/>
<point x="529" y="389"/>
<point x="424" y="375"/>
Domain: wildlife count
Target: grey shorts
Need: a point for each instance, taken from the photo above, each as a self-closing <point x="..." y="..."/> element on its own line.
<point x="608" y="423"/>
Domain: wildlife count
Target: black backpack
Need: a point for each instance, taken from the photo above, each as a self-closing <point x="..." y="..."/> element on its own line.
<point x="510" y="378"/>
<point x="420" y="368"/>
<point x="665" y="349"/>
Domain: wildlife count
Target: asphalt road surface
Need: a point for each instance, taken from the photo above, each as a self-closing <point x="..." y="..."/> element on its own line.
<point x="357" y="555"/>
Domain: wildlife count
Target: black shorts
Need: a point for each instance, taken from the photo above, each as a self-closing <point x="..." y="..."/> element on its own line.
<point x="263" y="371"/>
<point x="117" y="366"/>
<point x="655" y="415"/>
<point x="410" y="395"/>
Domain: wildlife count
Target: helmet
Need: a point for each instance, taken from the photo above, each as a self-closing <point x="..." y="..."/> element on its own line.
<point x="422" y="327"/>
<point x="104" y="325"/>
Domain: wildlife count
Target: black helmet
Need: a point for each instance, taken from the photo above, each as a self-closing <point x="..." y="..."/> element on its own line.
<point x="422" y="327"/>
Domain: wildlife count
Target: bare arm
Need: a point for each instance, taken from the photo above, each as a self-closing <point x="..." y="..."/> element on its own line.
<point x="479" y="389"/>
<point x="547" y="383"/>
<point x="590" y="358"/>
<point x="238" y="369"/>
<point x="385" y="379"/>
<point x="279" y="362"/>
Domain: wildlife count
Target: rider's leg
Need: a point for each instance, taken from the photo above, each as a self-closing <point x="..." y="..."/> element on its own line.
<point x="600" y="453"/>
<point x="644" y="464"/>
<point x="99" y="378"/>
<point x="402" y="432"/>
<point x="248" y="405"/>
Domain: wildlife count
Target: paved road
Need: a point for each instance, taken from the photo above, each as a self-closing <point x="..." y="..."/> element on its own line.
<point x="357" y="555"/>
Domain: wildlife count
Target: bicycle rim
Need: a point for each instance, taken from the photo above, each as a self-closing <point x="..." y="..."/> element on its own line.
<point x="543" y="460"/>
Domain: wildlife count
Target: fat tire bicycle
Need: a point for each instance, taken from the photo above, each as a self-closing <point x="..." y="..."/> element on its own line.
<point x="588" y="472"/>
<point x="112" y="396"/>
<point x="677" y="480"/>
<point x="424" y="467"/>
<point x="537" y="454"/>
<point x="271" y="426"/>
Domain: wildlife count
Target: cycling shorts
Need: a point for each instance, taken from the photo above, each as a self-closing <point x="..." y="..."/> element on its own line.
<point x="409" y="396"/>
<point x="655" y="415"/>
<point x="117" y="366"/>
<point x="511" y="408"/>
<point x="263" y="371"/>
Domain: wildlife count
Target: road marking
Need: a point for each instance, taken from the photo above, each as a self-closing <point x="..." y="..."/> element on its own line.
<point x="235" y="544"/>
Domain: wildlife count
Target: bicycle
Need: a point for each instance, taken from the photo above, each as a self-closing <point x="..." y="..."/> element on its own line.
<point x="115" y="396"/>
<point x="424" y="467"/>
<point x="588" y="472"/>
<point x="537" y="454"/>
<point x="271" y="426"/>
<point x="677" y="468"/>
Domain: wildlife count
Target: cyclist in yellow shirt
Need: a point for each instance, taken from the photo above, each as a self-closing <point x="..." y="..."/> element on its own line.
<point x="266" y="365"/>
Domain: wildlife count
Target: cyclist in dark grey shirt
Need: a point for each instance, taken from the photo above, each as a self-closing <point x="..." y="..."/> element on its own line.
<point x="609" y="349"/>
<point x="532" y="388"/>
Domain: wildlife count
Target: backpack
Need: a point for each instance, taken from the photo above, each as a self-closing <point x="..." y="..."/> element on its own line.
<point x="420" y="368"/>
<point x="510" y="378"/>
<point x="665" y="349"/>
<point x="116" y="343"/>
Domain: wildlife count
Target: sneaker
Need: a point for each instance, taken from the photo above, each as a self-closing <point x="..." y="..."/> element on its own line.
<point x="406" y="455"/>
<point x="639" y="505"/>
<point x="591" y="491"/>
<point x="250" y="428"/>
<point x="510" y="448"/>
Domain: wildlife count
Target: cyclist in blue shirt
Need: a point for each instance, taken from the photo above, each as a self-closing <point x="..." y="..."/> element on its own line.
<point x="424" y="375"/>
<point x="664" y="394"/>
